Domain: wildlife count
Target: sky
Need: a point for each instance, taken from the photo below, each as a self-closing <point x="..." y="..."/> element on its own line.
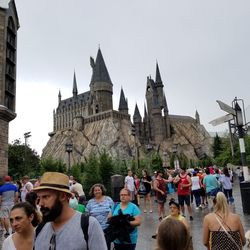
<point x="202" y="48"/>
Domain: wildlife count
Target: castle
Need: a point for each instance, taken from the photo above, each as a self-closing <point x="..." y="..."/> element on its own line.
<point x="97" y="104"/>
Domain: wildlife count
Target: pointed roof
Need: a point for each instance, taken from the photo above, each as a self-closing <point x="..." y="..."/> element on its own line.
<point x="75" y="91"/>
<point x="158" y="80"/>
<point x="59" y="94"/>
<point x="165" y="105"/>
<point x="137" y="115"/>
<point x="123" y="105"/>
<point x="100" y="72"/>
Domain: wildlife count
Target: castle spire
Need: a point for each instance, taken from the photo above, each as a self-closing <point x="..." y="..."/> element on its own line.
<point x="197" y="117"/>
<point x="123" y="104"/>
<point x="100" y="72"/>
<point x="75" y="92"/>
<point x="165" y="105"/>
<point x="59" y="97"/>
<point x="158" y="80"/>
<point x="137" y="115"/>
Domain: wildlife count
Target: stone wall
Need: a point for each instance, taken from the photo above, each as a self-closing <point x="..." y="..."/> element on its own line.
<point x="4" y="132"/>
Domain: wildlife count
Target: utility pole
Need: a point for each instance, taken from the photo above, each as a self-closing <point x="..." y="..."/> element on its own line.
<point x="26" y="136"/>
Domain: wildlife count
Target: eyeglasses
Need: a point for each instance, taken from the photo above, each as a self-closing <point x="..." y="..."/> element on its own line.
<point x="52" y="242"/>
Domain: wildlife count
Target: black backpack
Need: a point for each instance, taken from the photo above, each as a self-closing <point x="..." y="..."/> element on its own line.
<point x="84" y="226"/>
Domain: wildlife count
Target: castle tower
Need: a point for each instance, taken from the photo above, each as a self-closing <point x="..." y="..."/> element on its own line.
<point x="197" y="117"/>
<point x="75" y="91"/>
<point x="9" y="24"/>
<point x="123" y="103"/>
<point x="59" y="97"/>
<point x="101" y="87"/>
<point x="166" y="117"/>
<point x="137" y="120"/>
<point x="159" y="85"/>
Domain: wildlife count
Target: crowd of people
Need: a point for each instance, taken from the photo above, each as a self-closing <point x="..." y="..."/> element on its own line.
<point x="53" y="213"/>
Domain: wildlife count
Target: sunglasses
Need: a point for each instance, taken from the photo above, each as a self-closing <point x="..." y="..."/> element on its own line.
<point x="52" y="242"/>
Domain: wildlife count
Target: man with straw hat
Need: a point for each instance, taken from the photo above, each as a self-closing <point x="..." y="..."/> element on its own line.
<point x="62" y="229"/>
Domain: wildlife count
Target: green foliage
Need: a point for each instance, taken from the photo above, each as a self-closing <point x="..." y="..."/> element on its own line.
<point x="156" y="163"/>
<point x="217" y="146"/>
<point x="22" y="160"/>
<point x="91" y="173"/>
<point x="106" y="170"/>
<point x="52" y="165"/>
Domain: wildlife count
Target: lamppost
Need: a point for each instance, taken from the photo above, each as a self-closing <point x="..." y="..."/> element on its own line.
<point x="176" y="161"/>
<point x="165" y="155"/>
<point x="26" y="136"/>
<point x="69" y="149"/>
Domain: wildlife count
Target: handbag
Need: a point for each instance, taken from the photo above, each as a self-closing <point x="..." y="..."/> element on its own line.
<point x="142" y="189"/>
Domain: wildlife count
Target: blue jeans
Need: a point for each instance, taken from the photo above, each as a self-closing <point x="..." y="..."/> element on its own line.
<point x="197" y="197"/>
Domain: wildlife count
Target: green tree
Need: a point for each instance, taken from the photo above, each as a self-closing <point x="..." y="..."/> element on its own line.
<point x="22" y="160"/>
<point x="156" y="163"/>
<point x="52" y="165"/>
<point x="217" y="146"/>
<point x="106" y="170"/>
<point x="91" y="173"/>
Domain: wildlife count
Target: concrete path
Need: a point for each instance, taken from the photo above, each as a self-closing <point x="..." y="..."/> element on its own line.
<point x="150" y="222"/>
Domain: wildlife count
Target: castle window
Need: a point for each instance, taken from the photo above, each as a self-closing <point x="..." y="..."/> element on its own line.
<point x="96" y="108"/>
<point x="10" y="70"/>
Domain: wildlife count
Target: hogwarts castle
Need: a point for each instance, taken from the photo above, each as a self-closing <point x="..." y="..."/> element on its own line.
<point x="92" y="105"/>
<point x="89" y="122"/>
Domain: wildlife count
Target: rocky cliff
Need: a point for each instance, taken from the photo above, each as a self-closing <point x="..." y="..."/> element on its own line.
<point x="114" y="135"/>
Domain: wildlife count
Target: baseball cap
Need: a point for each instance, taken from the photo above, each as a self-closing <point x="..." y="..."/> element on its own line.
<point x="7" y="178"/>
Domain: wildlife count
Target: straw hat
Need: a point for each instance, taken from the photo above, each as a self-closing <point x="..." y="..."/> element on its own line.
<point x="54" y="180"/>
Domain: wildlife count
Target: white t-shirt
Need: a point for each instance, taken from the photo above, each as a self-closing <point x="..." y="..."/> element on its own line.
<point x="8" y="244"/>
<point x="195" y="182"/>
<point x="25" y="189"/>
<point x="129" y="181"/>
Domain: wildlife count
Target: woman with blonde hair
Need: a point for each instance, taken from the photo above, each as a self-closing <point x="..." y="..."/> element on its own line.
<point x="172" y="235"/>
<point x="222" y="228"/>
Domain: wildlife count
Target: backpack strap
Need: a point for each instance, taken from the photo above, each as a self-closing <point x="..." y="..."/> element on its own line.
<point x="39" y="228"/>
<point x="85" y="227"/>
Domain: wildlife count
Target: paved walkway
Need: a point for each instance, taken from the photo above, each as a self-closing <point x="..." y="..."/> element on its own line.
<point x="150" y="222"/>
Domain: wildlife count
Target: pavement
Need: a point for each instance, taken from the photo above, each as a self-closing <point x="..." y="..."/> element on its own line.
<point x="150" y="223"/>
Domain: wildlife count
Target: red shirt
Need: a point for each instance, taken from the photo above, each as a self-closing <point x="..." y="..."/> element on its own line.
<point x="183" y="190"/>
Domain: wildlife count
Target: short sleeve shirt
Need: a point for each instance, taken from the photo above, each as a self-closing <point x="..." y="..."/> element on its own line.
<point x="132" y="210"/>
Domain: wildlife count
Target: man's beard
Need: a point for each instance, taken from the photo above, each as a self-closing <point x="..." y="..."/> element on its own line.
<point x="50" y="214"/>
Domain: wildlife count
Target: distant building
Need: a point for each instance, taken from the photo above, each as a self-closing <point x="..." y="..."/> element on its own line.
<point x="9" y="25"/>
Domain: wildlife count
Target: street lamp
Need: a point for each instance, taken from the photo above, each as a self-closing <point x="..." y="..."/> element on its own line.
<point x="69" y="149"/>
<point x="176" y="161"/>
<point x="26" y="136"/>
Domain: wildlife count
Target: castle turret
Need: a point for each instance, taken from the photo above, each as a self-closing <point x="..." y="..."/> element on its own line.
<point x="75" y="91"/>
<point x="101" y="87"/>
<point x="197" y="117"/>
<point x="159" y="85"/>
<point x="137" y="120"/>
<point x="59" y="97"/>
<point x="123" y="104"/>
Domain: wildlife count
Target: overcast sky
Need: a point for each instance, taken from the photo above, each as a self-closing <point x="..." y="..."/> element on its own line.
<point x="202" y="47"/>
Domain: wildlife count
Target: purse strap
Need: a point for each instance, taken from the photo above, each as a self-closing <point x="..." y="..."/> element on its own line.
<point x="229" y="236"/>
